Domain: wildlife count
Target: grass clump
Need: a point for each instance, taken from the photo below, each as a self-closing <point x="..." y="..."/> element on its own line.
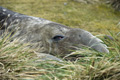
<point x="20" y="62"/>
<point x="12" y="57"/>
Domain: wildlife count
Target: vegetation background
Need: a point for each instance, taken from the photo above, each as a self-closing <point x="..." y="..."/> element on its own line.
<point x="95" y="16"/>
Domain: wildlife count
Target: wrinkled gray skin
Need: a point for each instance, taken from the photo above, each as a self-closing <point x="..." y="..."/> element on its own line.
<point x="46" y="36"/>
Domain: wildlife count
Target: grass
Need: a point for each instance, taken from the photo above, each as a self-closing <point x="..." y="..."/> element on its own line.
<point x="19" y="62"/>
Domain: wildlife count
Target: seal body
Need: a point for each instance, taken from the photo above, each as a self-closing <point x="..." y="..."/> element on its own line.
<point x="46" y="36"/>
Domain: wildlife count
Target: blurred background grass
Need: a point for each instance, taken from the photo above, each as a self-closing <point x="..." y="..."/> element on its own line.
<point x="95" y="17"/>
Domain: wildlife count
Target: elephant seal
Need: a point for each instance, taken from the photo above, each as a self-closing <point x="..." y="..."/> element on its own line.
<point x="46" y="36"/>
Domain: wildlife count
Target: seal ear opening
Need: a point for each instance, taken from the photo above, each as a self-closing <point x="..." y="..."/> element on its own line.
<point x="58" y="38"/>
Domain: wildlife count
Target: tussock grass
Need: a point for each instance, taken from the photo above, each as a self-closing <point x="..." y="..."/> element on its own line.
<point x="19" y="62"/>
<point x="12" y="56"/>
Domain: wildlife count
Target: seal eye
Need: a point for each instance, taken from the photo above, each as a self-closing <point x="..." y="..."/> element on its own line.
<point x="58" y="38"/>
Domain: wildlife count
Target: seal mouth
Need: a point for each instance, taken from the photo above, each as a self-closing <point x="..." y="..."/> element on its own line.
<point x="58" y="38"/>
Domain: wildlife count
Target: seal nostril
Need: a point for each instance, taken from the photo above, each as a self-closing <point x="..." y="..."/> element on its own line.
<point x="58" y="38"/>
